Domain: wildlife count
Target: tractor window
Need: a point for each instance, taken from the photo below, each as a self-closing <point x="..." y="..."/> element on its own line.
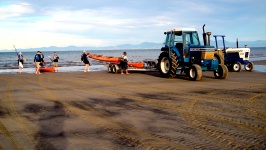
<point x="167" y="40"/>
<point x="178" y="38"/>
<point x="192" y="38"/>
<point x="195" y="39"/>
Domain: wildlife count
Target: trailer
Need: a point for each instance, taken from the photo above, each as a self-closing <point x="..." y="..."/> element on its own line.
<point x="145" y="65"/>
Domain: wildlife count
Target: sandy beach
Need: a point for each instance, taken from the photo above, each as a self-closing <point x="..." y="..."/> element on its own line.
<point x="100" y="110"/>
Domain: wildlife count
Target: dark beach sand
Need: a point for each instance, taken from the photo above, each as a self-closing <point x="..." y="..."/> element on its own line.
<point x="99" y="110"/>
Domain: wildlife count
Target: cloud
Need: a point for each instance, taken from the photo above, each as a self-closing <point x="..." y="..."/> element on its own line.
<point x="15" y="10"/>
<point x="113" y="22"/>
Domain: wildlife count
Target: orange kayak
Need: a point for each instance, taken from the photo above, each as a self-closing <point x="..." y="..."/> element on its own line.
<point x="112" y="59"/>
<point x="105" y="58"/>
<point x="47" y="69"/>
<point x="136" y="64"/>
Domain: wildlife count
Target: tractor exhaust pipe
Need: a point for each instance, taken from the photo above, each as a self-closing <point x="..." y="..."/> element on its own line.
<point x="204" y="36"/>
<point x="236" y="42"/>
<point x="209" y="41"/>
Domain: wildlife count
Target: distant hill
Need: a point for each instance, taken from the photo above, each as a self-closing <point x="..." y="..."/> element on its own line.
<point x="258" y="43"/>
<point x="145" y="45"/>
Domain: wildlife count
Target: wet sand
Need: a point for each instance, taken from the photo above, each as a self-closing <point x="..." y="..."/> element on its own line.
<point x="100" y="110"/>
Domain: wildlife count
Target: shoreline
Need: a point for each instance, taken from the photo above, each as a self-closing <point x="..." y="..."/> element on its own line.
<point x="260" y="66"/>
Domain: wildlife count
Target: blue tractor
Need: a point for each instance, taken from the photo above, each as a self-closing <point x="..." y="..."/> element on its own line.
<point x="234" y="58"/>
<point x="183" y="53"/>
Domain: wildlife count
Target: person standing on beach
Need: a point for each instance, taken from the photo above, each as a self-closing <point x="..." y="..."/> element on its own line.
<point x="37" y="60"/>
<point x="123" y="63"/>
<point x="42" y="59"/>
<point x="84" y="58"/>
<point x="20" y="62"/>
<point x="55" y="62"/>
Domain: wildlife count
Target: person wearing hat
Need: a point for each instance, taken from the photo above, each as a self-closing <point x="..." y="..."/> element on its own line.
<point x="20" y="62"/>
<point x="85" y="60"/>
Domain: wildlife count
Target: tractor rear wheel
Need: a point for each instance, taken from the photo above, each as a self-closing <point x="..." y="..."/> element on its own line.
<point x="249" y="66"/>
<point x="237" y="67"/>
<point x="167" y="65"/>
<point x="195" y="72"/>
<point x="221" y="73"/>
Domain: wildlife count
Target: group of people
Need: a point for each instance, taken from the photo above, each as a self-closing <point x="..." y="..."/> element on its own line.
<point x="40" y="61"/>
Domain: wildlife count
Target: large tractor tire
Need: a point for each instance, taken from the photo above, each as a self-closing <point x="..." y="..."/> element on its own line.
<point x="236" y="67"/>
<point x="249" y="66"/>
<point x="195" y="72"/>
<point x="168" y="66"/>
<point x="222" y="72"/>
<point x="219" y="57"/>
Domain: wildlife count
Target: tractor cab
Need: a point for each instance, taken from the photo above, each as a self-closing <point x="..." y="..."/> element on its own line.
<point x="186" y="44"/>
<point x="180" y="39"/>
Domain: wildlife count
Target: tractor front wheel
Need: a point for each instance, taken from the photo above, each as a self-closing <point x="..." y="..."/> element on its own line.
<point x="219" y="57"/>
<point x="236" y="67"/>
<point x="195" y="72"/>
<point x="249" y="66"/>
<point x="221" y="73"/>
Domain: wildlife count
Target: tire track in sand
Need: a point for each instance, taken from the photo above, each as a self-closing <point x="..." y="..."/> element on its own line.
<point x="128" y="136"/>
<point x="12" y="137"/>
<point x="165" y="106"/>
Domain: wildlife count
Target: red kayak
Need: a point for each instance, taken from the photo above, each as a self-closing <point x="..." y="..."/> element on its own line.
<point x="42" y="69"/>
<point x="105" y="58"/>
<point x="136" y="64"/>
<point x="112" y="59"/>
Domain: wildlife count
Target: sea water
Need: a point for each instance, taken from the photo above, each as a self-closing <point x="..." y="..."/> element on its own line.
<point x="71" y="60"/>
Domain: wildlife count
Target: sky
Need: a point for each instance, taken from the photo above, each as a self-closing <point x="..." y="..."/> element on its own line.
<point x="101" y="23"/>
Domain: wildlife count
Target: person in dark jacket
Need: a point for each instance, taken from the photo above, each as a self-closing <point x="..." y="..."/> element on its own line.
<point x="37" y="60"/>
<point x="42" y="59"/>
<point x="123" y="63"/>
<point x="85" y="60"/>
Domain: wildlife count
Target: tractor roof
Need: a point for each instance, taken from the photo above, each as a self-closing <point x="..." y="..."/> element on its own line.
<point x="182" y="29"/>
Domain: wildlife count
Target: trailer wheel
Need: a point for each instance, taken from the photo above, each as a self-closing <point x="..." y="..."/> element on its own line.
<point x="168" y="66"/>
<point x="195" y="72"/>
<point x="222" y="72"/>
<point x="114" y="70"/>
<point x="249" y="66"/>
<point x="236" y="67"/>
<point x="110" y="68"/>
